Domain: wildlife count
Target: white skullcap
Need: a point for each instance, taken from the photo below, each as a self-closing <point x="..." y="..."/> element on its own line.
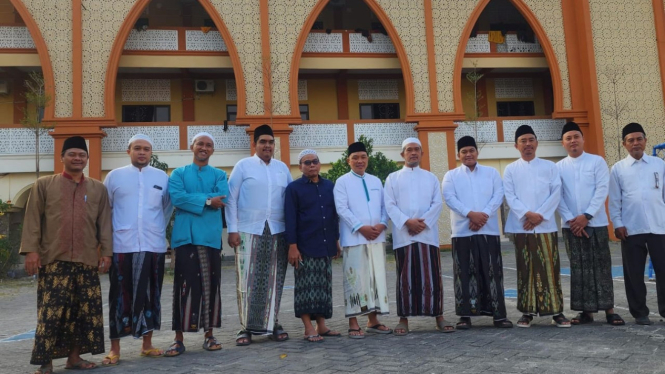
<point x="408" y="141"/>
<point x="140" y="137"/>
<point x="203" y="133"/>
<point x="305" y="152"/>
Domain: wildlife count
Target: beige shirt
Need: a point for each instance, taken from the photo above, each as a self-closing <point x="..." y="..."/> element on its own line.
<point x="68" y="221"/>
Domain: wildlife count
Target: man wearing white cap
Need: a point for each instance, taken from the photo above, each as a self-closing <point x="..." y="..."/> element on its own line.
<point x="139" y="198"/>
<point x="362" y="225"/>
<point x="198" y="192"/>
<point x="413" y="202"/>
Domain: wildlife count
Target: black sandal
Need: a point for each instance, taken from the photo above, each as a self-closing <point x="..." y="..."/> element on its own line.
<point x="614" y="319"/>
<point x="243" y="334"/>
<point x="560" y="321"/>
<point x="211" y="344"/>
<point x="581" y="319"/>
<point x="464" y="323"/>
<point x="503" y="324"/>
<point x="525" y="321"/>
<point x="277" y="333"/>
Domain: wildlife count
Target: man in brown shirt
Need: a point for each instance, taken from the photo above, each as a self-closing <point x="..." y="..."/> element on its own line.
<point x="67" y="240"/>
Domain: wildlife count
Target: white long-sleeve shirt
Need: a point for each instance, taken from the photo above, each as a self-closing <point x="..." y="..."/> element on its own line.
<point x="141" y="208"/>
<point x="413" y="193"/>
<point x="585" y="182"/>
<point x="531" y="186"/>
<point x="355" y="211"/>
<point x="480" y="190"/>
<point x="637" y="196"/>
<point x="256" y="195"/>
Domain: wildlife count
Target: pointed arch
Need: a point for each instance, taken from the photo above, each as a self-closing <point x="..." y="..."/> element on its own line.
<point x="392" y="33"/>
<point x="123" y="34"/>
<point x="532" y="20"/>
<point x="42" y="52"/>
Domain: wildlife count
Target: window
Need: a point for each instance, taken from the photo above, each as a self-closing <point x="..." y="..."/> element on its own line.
<point x="379" y="111"/>
<point x="146" y="113"/>
<point x="515" y="108"/>
<point x="207" y="22"/>
<point x="304" y="112"/>
<point x="231" y="112"/>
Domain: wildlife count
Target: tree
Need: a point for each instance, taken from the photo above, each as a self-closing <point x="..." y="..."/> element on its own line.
<point x="37" y="100"/>
<point x="163" y="166"/>
<point x="9" y="244"/>
<point x="378" y="165"/>
<point x="615" y="74"/>
<point x="474" y="77"/>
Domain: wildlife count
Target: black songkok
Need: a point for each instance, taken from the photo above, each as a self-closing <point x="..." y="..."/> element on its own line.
<point x="262" y="130"/>
<point x="570" y="126"/>
<point x="631" y="128"/>
<point x="74" y="142"/>
<point x="523" y="130"/>
<point x="357" y="147"/>
<point x="466" y="141"/>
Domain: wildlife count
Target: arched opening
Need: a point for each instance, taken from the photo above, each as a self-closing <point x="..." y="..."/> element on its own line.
<point x="368" y="94"/>
<point x="507" y="75"/>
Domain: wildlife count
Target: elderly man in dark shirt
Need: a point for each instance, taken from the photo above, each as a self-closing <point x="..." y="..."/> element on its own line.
<point x="312" y="231"/>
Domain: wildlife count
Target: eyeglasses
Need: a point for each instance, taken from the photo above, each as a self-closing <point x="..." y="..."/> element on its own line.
<point x="311" y="162"/>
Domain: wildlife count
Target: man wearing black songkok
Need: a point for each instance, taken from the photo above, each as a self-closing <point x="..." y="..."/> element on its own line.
<point x="637" y="210"/>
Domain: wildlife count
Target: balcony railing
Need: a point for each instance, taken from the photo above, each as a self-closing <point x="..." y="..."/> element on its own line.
<point x="317" y="134"/>
<point x="21" y="141"/>
<point x="511" y="44"/>
<point x="345" y="41"/>
<point x="182" y="39"/>
<point x="16" y="37"/>
<point x="502" y="129"/>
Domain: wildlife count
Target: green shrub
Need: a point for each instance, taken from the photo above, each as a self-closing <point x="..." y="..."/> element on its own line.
<point x="379" y="165"/>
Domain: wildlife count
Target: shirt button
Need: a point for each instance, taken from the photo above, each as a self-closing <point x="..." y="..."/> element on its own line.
<point x="324" y="240"/>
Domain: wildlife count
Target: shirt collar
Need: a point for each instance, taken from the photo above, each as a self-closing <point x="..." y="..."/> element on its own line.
<point x="358" y="175"/>
<point x="528" y="162"/>
<point x="67" y="176"/>
<point x="468" y="170"/>
<point x="410" y="169"/>
<point x="261" y="160"/>
<point x="632" y="160"/>
<point x="306" y="180"/>
<point x="578" y="158"/>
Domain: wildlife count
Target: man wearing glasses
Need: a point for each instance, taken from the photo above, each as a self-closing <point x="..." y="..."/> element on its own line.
<point x="637" y="210"/>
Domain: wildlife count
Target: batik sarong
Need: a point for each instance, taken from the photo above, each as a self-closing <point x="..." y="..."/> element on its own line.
<point x="591" y="284"/>
<point x="365" y="289"/>
<point x="538" y="274"/>
<point x="313" y="287"/>
<point x="261" y="262"/>
<point x="134" y="296"/>
<point x="197" y="302"/>
<point x="419" y="282"/>
<point x="69" y="312"/>
<point x="478" y="274"/>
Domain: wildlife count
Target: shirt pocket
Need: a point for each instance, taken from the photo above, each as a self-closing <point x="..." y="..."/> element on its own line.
<point x="155" y="199"/>
<point x="280" y="179"/>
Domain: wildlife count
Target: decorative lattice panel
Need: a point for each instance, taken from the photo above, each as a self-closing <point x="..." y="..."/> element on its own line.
<point x="324" y="43"/>
<point x="318" y="135"/>
<point x="380" y="44"/>
<point x="21" y="141"/>
<point x="545" y="129"/>
<point x="373" y="89"/>
<point x="387" y="133"/>
<point x="164" y="138"/>
<point x="513" y="88"/>
<point x="512" y="45"/>
<point x="235" y="137"/>
<point x="302" y="89"/>
<point x="231" y="91"/>
<point x="146" y="90"/>
<point x="479" y="44"/>
<point x="15" y="37"/>
<point x="197" y="40"/>
<point x="152" y="40"/>
<point x="482" y="131"/>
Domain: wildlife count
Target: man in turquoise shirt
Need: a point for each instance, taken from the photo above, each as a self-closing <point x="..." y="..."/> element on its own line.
<point x="198" y="192"/>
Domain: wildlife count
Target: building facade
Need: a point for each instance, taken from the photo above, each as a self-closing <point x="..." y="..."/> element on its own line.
<point x="324" y="72"/>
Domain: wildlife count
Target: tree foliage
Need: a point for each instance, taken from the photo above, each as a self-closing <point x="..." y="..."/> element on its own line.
<point x="378" y="165"/>
<point x="38" y="100"/>
<point x="155" y="163"/>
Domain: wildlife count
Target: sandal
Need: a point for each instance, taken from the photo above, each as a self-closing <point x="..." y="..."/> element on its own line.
<point x="110" y="357"/>
<point x="314" y="338"/>
<point x="45" y="370"/>
<point x="377" y="330"/>
<point x="561" y="320"/>
<point x="401" y="326"/>
<point x="243" y="334"/>
<point x="278" y="334"/>
<point x="615" y="319"/>
<point x="582" y="319"/>
<point x="358" y="335"/>
<point x="504" y="324"/>
<point x="464" y="323"/>
<point x="82" y="365"/>
<point x="445" y="326"/>
<point x="525" y="321"/>
<point x="176" y="349"/>
<point x="151" y="353"/>
<point x="331" y="333"/>
<point x="211" y="344"/>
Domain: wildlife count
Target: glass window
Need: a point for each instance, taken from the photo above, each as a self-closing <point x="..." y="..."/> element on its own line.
<point x="231" y="112"/>
<point x="146" y="113"/>
<point x="379" y="111"/>
<point x="515" y="109"/>
<point x="304" y="112"/>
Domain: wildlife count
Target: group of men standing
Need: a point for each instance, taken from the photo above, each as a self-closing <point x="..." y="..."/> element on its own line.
<point x="76" y="227"/>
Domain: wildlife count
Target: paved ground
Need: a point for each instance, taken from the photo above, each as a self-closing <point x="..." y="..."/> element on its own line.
<point x="597" y="348"/>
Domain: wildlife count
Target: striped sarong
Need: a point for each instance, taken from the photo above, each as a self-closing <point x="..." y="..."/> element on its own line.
<point x="365" y="289"/>
<point x="419" y="282"/>
<point x="312" y="293"/>
<point x="261" y="262"/>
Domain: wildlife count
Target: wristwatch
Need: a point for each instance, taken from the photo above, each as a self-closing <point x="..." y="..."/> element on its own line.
<point x="588" y="216"/>
<point x="209" y="202"/>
